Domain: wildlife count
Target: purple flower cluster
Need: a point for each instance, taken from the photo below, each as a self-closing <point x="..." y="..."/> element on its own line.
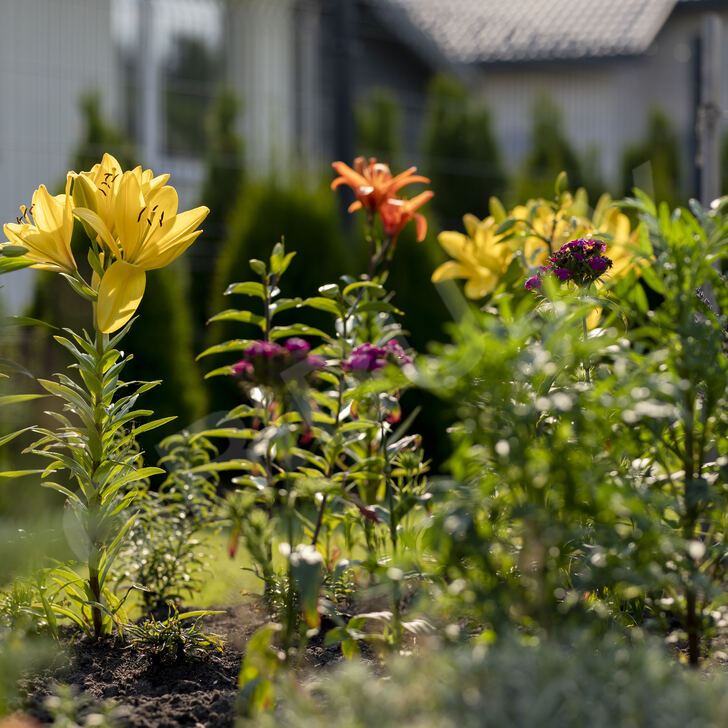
<point x="267" y="362"/>
<point x="580" y="261"/>
<point x="367" y="358"/>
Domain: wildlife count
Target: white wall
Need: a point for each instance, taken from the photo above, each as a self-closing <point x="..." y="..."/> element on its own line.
<point x="51" y="52"/>
<point x="262" y="69"/>
<point x="605" y="104"/>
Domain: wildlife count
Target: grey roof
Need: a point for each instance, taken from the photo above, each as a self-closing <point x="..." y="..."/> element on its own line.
<point x="498" y="31"/>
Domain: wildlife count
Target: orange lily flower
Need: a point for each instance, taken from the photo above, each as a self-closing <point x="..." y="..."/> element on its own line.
<point x="372" y="182"/>
<point x="397" y="213"/>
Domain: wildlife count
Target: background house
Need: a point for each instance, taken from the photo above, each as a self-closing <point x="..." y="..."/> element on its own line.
<point x="301" y="67"/>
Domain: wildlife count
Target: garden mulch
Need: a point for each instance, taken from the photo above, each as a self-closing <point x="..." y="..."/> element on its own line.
<point x="194" y="692"/>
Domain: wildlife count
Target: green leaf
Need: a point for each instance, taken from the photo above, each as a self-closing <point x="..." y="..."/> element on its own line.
<point x="245" y="317"/>
<point x="8" y="438"/>
<point x="8" y="265"/>
<point x="147" y="426"/>
<point x="258" y="266"/>
<point x="10" y="399"/>
<point x="505" y="226"/>
<point x="232" y="433"/>
<point x="224" y="348"/>
<point x="284" y="304"/>
<point x="18" y="473"/>
<point x="279" y="261"/>
<point x="561" y="184"/>
<point x="330" y="290"/>
<point x="220" y="371"/>
<point x="362" y="284"/>
<point x="322" y="304"/>
<point x="279" y="332"/>
<point x="249" y="288"/>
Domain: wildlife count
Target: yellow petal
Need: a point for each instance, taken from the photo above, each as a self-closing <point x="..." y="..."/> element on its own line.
<point x="47" y="212"/>
<point x="97" y="225"/>
<point x="481" y="285"/>
<point x="592" y="320"/>
<point x="158" y="252"/>
<point x="85" y="193"/>
<point x="131" y="222"/>
<point x="120" y="293"/>
<point x="162" y="258"/>
<point x="453" y="243"/>
<point x="471" y="224"/>
<point x="450" y="270"/>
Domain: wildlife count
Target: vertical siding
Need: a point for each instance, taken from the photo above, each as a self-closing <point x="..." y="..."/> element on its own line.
<point x="262" y="71"/>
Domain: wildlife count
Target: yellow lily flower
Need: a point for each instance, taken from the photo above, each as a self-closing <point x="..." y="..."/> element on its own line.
<point x="622" y="245"/>
<point x="146" y="233"/>
<point x="97" y="189"/>
<point x="45" y="230"/>
<point x="480" y="256"/>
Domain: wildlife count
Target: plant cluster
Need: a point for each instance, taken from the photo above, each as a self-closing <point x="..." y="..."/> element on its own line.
<point x="178" y="637"/>
<point x="585" y="494"/>
<point x="164" y="555"/>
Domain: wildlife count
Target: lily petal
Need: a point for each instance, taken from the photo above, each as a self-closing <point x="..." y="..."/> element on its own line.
<point x="94" y="221"/>
<point x="120" y="293"/>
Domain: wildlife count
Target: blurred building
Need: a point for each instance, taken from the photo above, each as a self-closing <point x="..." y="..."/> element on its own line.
<point x="300" y="66"/>
<point x="605" y="64"/>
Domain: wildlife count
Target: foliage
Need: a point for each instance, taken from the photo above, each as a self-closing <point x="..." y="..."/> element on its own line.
<point x="660" y="149"/>
<point x="161" y="339"/>
<point x="99" y="137"/>
<point x="511" y="685"/>
<point x="222" y="186"/>
<point x="551" y="152"/>
<point x="164" y="553"/>
<point x="595" y="501"/>
<point x="68" y="709"/>
<point x="265" y="213"/>
<point x="163" y="346"/>
<point x="177" y="637"/>
<point x="379" y="126"/>
<point x="460" y="151"/>
<point x="190" y="74"/>
<point x="495" y="253"/>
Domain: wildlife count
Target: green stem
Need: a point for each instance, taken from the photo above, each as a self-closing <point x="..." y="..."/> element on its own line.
<point x="95" y="539"/>
<point x="587" y="367"/>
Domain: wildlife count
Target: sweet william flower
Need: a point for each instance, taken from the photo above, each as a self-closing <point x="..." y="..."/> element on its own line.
<point x="367" y="358"/>
<point x="266" y="362"/>
<point x="45" y="230"/>
<point x="372" y="182"/>
<point x="147" y="233"/>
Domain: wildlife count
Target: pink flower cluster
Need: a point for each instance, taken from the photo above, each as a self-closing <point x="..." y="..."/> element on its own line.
<point x="580" y="261"/>
<point x="367" y="358"/>
<point x="267" y="362"/>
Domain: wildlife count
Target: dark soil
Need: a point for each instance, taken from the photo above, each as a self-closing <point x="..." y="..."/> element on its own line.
<point x="193" y="692"/>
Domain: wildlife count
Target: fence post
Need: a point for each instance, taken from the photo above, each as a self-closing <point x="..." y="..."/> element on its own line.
<point x="710" y="109"/>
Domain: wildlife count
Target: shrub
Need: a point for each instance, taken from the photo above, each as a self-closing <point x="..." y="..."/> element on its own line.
<point x="550" y="154"/>
<point x="461" y="155"/>
<point x="550" y="685"/>
<point x="661" y="149"/>
<point x="161" y="340"/>
<point x="309" y="221"/>
<point x="224" y="180"/>
<point x="379" y="126"/>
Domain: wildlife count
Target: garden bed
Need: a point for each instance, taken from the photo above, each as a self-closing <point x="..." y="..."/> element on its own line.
<point x="191" y="692"/>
